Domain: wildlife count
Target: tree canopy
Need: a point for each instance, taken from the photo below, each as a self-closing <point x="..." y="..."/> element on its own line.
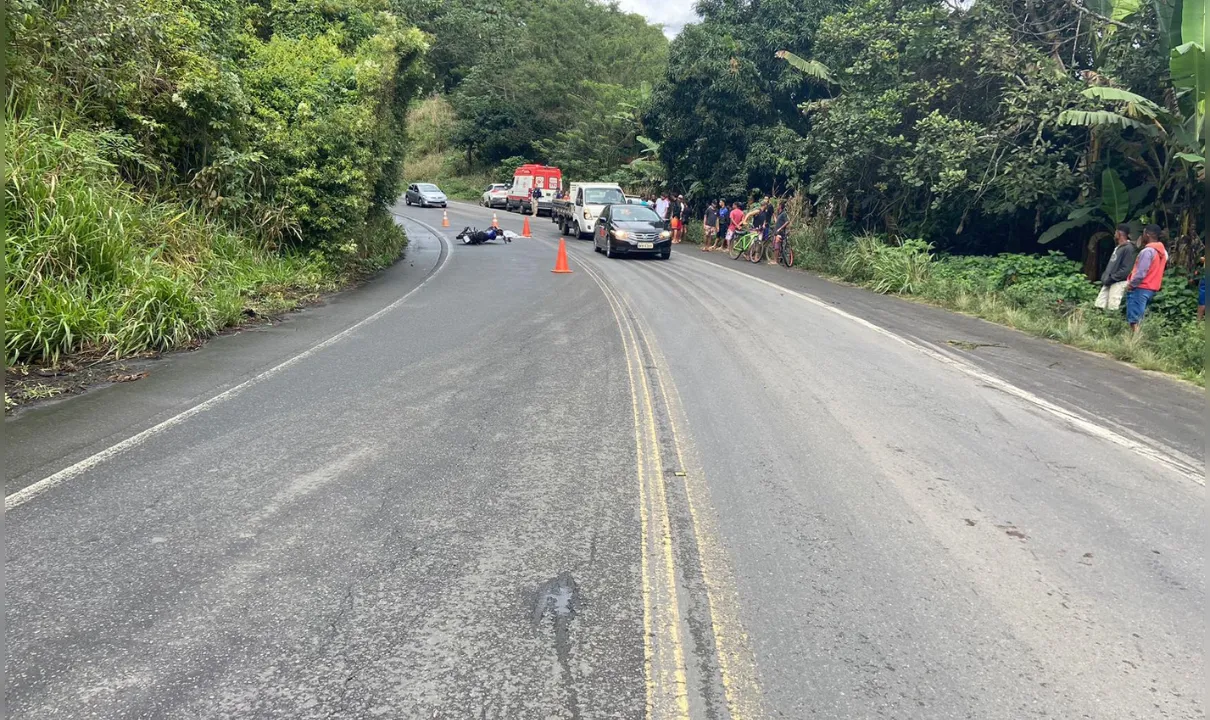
<point x="545" y="81"/>
<point x="977" y="126"/>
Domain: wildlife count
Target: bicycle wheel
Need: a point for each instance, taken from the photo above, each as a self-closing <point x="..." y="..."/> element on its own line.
<point x="739" y="244"/>
<point x="787" y="255"/>
<point x="757" y="251"/>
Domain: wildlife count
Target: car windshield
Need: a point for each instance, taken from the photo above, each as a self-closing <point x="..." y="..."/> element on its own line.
<point x="428" y="187"/>
<point x="603" y="196"/>
<point x="634" y="213"/>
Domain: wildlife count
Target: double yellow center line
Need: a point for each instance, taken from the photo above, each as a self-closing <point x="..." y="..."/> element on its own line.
<point x="663" y="589"/>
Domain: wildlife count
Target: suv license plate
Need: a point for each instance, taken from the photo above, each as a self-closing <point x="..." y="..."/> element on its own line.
<point x="646" y="246"/>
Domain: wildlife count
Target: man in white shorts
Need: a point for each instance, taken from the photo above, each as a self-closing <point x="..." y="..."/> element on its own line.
<point x="1113" y="280"/>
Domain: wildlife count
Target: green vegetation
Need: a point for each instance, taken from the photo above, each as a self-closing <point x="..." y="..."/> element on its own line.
<point x="942" y="146"/>
<point x="560" y="82"/>
<point x="173" y="167"/>
<point x="1045" y="295"/>
<point x="432" y="156"/>
<point x="975" y="128"/>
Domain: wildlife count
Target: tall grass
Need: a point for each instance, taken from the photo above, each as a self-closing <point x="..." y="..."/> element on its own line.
<point x="902" y="268"/>
<point x="1044" y="296"/>
<point x="93" y="265"/>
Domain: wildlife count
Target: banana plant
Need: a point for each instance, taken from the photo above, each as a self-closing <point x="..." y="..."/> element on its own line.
<point x="1117" y="205"/>
<point x="813" y="69"/>
<point x="1165" y="147"/>
<point x="1184" y="26"/>
<point x="1189" y="65"/>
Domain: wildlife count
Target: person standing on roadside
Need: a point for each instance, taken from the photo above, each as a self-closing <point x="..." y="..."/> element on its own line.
<point x="661" y="207"/>
<point x="724" y="212"/>
<point x="536" y="195"/>
<point x="1147" y="277"/>
<point x="760" y="221"/>
<point x="710" y="227"/>
<point x="1113" y="280"/>
<point x="781" y="229"/>
<point x="684" y="214"/>
<point x="1201" y="293"/>
<point x="736" y="222"/>
<point x="674" y="219"/>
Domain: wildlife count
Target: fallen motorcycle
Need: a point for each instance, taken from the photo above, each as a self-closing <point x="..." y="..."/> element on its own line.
<point x="475" y="236"/>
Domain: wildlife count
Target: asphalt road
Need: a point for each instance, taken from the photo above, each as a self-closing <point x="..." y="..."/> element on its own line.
<point x="477" y="489"/>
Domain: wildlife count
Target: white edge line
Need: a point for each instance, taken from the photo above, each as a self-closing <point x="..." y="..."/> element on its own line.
<point x="1170" y="459"/>
<point x="35" y="489"/>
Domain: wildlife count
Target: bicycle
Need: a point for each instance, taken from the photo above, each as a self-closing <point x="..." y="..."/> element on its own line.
<point x="742" y="243"/>
<point x="781" y="251"/>
<point x="761" y="248"/>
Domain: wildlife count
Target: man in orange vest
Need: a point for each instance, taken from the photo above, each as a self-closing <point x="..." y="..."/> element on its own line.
<point x="1147" y="276"/>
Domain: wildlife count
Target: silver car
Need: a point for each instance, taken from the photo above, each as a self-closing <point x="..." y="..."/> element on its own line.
<point x="424" y="195"/>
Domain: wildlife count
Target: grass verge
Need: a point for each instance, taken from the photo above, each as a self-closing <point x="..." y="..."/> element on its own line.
<point x="1046" y="296"/>
<point x="98" y="269"/>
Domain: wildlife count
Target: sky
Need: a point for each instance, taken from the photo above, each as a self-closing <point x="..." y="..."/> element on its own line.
<point x="672" y="14"/>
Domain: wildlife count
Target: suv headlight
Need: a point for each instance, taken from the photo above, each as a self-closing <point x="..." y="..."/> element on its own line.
<point x="665" y="235"/>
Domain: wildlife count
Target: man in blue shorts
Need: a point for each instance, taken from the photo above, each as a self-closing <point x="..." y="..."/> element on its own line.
<point x="1147" y="277"/>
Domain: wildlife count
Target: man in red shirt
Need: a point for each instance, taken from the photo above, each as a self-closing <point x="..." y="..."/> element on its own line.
<point x="1146" y="277"/>
<point x="736" y="220"/>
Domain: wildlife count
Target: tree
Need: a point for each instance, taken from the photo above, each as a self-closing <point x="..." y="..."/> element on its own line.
<point x="537" y="95"/>
<point x="726" y="103"/>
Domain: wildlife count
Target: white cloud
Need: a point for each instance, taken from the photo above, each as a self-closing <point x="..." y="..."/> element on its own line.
<point x="671" y="14"/>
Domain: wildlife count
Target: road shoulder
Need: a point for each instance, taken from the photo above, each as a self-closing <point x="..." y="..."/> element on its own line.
<point x="1131" y="401"/>
<point x="44" y="439"/>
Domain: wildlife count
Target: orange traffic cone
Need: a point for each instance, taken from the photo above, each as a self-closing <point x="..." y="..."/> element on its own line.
<point x="495" y="222"/>
<point x="561" y="258"/>
<point x="525" y="228"/>
<point x="445" y="219"/>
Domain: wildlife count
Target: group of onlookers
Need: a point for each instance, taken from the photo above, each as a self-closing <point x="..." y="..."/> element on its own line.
<point x="673" y="209"/>
<point x="769" y="220"/>
<point x="1136" y="272"/>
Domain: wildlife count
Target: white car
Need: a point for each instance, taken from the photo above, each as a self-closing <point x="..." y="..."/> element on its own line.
<point x="424" y="195"/>
<point x="495" y="195"/>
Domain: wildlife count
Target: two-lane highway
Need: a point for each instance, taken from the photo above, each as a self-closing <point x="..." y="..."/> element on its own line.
<point x="645" y="489"/>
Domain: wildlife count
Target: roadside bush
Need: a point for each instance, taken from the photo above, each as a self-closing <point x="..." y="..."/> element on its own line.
<point x="1186" y="346"/>
<point x="95" y="265"/>
<point x="431" y="123"/>
<point x="173" y="165"/>
<point x="816" y="244"/>
<point x="1047" y="296"/>
<point x="508" y="167"/>
<point x="1046" y="281"/>
<point x="886" y="268"/>
<point x="694" y="233"/>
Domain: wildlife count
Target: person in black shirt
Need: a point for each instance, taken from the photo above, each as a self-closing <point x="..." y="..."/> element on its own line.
<point x="781" y="231"/>
<point x="760" y="221"/>
<point x="710" y="227"/>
